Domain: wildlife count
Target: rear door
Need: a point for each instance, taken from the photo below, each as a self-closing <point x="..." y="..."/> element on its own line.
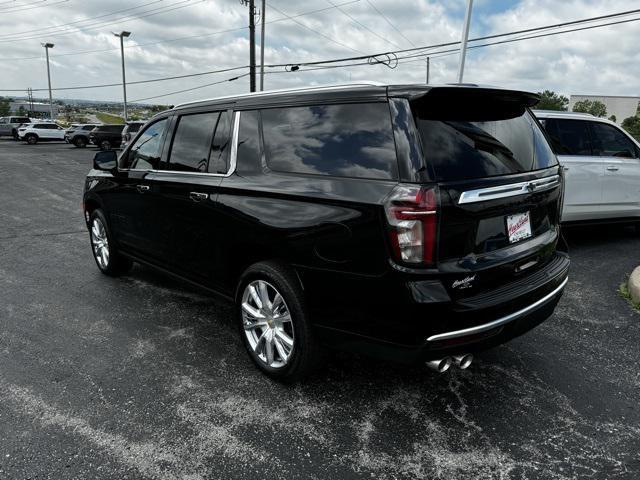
<point x="499" y="186"/>
<point x="621" y="162"/>
<point x="583" y="168"/>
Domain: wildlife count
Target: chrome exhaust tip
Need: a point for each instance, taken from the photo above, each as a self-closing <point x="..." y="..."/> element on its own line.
<point x="463" y="361"/>
<point x="440" y="366"/>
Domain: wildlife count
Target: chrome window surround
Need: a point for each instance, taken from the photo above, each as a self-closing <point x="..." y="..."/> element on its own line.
<point x="511" y="190"/>
<point x="500" y="321"/>
<point x="233" y="157"/>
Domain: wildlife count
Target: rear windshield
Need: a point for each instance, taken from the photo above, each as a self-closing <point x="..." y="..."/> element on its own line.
<point x="466" y="145"/>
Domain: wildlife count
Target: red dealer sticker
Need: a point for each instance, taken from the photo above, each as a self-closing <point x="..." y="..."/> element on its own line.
<point x="518" y="227"/>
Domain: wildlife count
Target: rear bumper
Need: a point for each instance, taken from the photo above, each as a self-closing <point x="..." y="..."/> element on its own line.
<point x="409" y="332"/>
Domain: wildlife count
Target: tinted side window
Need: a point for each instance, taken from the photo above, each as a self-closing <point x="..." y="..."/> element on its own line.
<point x="249" y="155"/>
<point x="192" y="142"/>
<point x="88" y="127"/>
<point x="218" y="162"/>
<point x="608" y="141"/>
<point x="352" y="140"/>
<point x="569" y="137"/>
<point x="145" y="153"/>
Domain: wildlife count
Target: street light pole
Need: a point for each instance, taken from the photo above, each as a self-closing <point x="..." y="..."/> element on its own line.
<point x="47" y="46"/>
<point x="463" y="42"/>
<point x="262" y="23"/>
<point x="122" y="36"/>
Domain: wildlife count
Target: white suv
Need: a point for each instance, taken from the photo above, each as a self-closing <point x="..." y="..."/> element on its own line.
<point x="32" y="133"/>
<point x="601" y="163"/>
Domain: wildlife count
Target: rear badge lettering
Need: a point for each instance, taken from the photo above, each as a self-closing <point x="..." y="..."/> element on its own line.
<point x="463" y="283"/>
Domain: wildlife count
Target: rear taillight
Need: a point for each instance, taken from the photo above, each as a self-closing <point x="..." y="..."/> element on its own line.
<point x="412" y="211"/>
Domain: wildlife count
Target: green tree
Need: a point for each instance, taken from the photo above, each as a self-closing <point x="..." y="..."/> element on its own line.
<point x="552" y="101"/>
<point x="632" y="125"/>
<point x="4" y="107"/>
<point x="21" y="111"/>
<point x="613" y="118"/>
<point x="594" y="107"/>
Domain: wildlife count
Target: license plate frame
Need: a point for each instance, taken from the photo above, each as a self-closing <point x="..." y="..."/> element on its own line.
<point x="518" y="227"/>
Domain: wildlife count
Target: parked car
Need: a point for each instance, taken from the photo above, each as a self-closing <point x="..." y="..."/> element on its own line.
<point x="9" y="126"/>
<point x="106" y="137"/>
<point x="79" y="135"/>
<point x="602" y="167"/>
<point x="415" y="223"/>
<point x="33" y="133"/>
<point x="129" y="131"/>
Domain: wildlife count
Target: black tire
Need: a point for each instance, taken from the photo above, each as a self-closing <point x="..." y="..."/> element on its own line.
<point x="105" y="145"/>
<point x="80" y="142"/>
<point x="305" y="354"/>
<point x="31" y="139"/>
<point x="116" y="264"/>
<point x="14" y="134"/>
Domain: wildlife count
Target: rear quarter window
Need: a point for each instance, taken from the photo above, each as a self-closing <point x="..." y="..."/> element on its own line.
<point x="350" y="140"/>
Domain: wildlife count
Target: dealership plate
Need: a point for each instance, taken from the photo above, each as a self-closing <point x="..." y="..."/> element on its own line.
<point x="518" y="227"/>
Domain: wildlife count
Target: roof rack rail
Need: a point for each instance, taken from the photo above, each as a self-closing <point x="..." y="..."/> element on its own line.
<point x="290" y="90"/>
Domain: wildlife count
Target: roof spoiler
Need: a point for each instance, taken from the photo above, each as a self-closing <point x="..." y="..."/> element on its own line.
<point x="472" y="103"/>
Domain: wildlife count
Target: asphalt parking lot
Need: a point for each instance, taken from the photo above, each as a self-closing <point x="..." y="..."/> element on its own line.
<point x="145" y="377"/>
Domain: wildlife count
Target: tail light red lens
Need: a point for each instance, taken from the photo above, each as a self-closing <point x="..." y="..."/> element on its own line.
<point x="411" y="211"/>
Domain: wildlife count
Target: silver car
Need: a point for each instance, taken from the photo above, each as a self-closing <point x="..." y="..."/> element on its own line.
<point x="601" y="163"/>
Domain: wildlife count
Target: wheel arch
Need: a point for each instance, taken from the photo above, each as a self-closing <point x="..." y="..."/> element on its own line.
<point x="240" y="273"/>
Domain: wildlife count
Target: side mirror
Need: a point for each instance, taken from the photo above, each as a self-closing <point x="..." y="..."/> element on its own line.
<point x="107" y="161"/>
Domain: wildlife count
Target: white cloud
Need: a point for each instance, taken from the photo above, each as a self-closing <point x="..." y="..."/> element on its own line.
<point x="604" y="61"/>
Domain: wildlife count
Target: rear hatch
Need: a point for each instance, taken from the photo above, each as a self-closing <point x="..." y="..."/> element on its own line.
<point x="499" y="186"/>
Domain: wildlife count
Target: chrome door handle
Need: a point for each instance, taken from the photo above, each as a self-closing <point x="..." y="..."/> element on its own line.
<point x="143" y="188"/>
<point x="612" y="168"/>
<point x="198" y="196"/>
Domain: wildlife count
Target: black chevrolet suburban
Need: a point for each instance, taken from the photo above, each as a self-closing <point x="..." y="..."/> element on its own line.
<point x="415" y="223"/>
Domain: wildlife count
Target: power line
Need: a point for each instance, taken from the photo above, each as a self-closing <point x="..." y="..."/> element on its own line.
<point x="157" y="11"/>
<point x="84" y="52"/>
<point x="191" y="89"/>
<point x="339" y="63"/>
<point x="30" y="7"/>
<point x="391" y="24"/>
<point x="337" y="42"/>
<point x="54" y="27"/>
<point x="362" y="25"/>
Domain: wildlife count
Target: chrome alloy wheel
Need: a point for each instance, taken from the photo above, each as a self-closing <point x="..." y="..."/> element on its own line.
<point x="267" y="323"/>
<point x="100" y="243"/>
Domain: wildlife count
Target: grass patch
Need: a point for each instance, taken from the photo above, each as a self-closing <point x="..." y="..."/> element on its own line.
<point x="108" y="118"/>
<point x="623" y="290"/>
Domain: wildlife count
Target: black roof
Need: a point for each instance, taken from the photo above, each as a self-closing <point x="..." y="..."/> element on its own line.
<point x="369" y="90"/>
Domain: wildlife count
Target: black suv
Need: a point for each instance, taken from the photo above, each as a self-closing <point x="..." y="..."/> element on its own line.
<point x="106" y="136"/>
<point x="412" y="222"/>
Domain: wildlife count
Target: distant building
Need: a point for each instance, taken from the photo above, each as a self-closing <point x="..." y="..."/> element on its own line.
<point x="36" y="107"/>
<point x="621" y="107"/>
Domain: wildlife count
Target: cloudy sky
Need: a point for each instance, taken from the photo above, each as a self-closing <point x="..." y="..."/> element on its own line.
<point x="177" y="37"/>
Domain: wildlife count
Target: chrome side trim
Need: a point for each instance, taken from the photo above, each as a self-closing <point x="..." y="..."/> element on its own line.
<point x="233" y="156"/>
<point x="511" y="190"/>
<point x="500" y="321"/>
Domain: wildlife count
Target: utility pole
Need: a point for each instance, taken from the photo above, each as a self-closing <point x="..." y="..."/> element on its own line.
<point x="262" y="23"/>
<point x="122" y="36"/>
<point x="428" y="61"/>
<point x="465" y="37"/>
<point x="47" y="46"/>
<point x="30" y="97"/>
<point x="252" y="43"/>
